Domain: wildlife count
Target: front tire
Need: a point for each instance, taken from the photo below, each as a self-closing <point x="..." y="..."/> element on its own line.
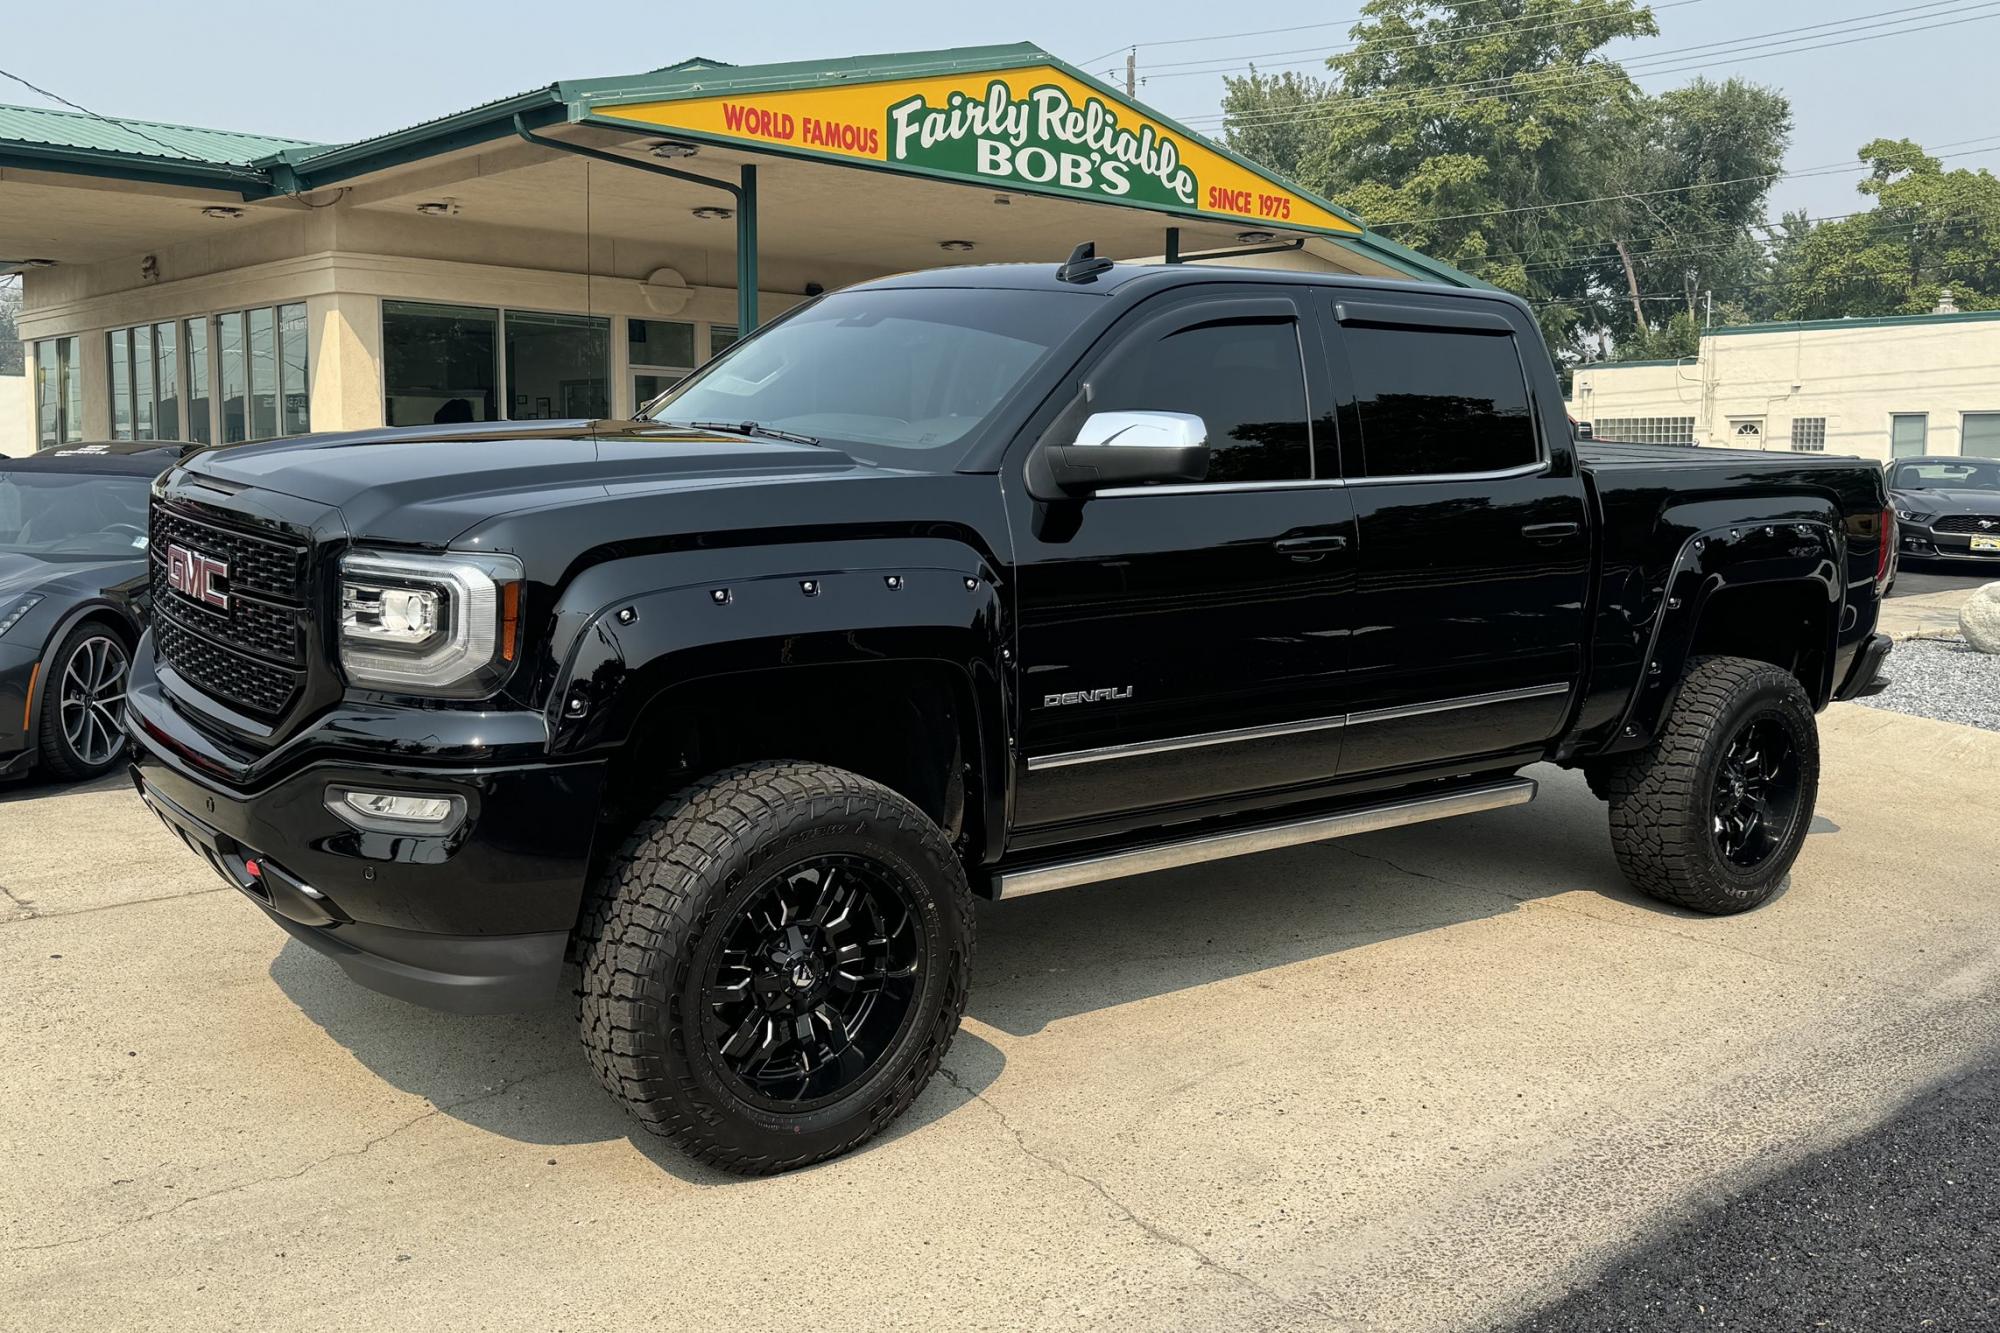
<point x="1713" y="815"/>
<point x="83" y="702"/>
<point x="775" y="964"/>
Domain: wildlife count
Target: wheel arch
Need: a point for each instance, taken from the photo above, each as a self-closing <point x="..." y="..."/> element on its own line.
<point x="100" y="609"/>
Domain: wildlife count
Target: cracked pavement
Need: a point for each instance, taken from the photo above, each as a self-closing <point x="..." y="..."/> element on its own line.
<point x="1432" y="1078"/>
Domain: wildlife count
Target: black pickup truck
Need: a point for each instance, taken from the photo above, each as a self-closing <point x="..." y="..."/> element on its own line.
<point x="976" y="583"/>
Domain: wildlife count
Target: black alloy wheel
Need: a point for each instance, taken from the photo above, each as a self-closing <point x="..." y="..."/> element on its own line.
<point x="83" y="710"/>
<point x="1756" y="793"/>
<point x="812" y="982"/>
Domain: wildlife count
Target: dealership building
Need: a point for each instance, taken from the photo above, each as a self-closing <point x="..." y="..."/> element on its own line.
<point x="1877" y="388"/>
<point x="573" y="250"/>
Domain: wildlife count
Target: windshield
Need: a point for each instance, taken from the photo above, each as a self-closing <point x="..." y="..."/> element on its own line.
<point x="900" y="373"/>
<point x="1966" y="476"/>
<point x="81" y="515"/>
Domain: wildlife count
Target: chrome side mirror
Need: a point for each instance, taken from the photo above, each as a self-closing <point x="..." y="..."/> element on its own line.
<point x="1122" y="449"/>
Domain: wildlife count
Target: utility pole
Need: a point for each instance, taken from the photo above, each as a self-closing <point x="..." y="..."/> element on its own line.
<point x="1711" y="310"/>
<point x="1132" y="72"/>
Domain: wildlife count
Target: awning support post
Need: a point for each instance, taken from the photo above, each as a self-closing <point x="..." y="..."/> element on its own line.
<point x="746" y="254"/>
<point x="744" y="196"/>
<point x="1173" y="245"/>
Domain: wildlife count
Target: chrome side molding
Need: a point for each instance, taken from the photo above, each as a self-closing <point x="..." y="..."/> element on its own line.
<point x="1262" y="838"/>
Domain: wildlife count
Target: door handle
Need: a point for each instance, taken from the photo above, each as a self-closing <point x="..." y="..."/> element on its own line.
<point x="1303" y="549"/>
<point x="1548" y="532"/>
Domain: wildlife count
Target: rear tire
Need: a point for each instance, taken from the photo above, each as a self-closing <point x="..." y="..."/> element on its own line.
<point x="774" y="965"/>
<point x="1713" y="815"/>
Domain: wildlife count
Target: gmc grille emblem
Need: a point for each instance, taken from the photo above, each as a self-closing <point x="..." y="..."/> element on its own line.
<point x="196" y="576"/>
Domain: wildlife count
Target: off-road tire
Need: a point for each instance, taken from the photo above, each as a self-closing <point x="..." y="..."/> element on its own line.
<point x="1661" y="807"/>
<point x="58" y="757"/>
<point x="668" y="888"/>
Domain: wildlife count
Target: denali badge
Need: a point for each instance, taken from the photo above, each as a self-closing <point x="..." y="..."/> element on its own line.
<point x="194" y="576"/>
<point x="1105" y="695"/>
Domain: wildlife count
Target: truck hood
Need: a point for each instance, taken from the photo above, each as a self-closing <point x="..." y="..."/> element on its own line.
<point x="425" y="485"/>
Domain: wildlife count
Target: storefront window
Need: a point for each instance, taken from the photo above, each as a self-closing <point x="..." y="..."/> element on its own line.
<point x="58" y="392"/>
<point x="720" y="337"/>
<point x="263" y="374"/>
<point x="233" y="376"/>
<point x="145" y="382"/>
<point x="200" y="429"/>
<point x="438" y="363"/>
<point x="142" y="384"/>
<point x="557" y="366"/>
<point x="118" y="347"/>
<point x="166" y="384"/>
<point x="661" y="353"/>
<point x="294" y="392"/>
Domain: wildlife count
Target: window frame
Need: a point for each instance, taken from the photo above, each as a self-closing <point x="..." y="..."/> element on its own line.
<point x="1963" y="418"/>
<point x="1923" y="446"/>
<point x="61" y="359"/>
<point x="1241" y="304"/>
<point x="1816" y="444"/>
<point x="1460" y="318"/>
<point x="502" y="384"/>
<point x="180" y="425"/>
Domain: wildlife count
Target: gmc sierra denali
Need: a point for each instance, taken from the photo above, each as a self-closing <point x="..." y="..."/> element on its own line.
<point x="974" y="583"/>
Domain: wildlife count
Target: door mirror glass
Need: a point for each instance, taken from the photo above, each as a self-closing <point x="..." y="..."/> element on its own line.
<point x="1113" y="449"/>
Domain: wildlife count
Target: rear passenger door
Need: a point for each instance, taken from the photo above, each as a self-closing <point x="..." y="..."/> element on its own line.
<point x="1474" y="558"/>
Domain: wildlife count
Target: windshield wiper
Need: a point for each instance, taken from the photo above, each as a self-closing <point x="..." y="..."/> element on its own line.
<point x="748" y="428"/>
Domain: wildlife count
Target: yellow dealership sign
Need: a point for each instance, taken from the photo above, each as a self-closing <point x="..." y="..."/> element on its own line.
<point x="1036" y="128"/>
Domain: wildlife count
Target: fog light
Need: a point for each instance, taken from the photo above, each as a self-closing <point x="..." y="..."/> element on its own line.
<point x="395" y="812"/>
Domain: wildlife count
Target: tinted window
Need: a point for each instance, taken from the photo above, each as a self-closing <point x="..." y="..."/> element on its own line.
<point x="1243" y="378"/>
<point x="54" y="515"/>
<point x="1434" y="402"/>
<point x="1946" y="477"/>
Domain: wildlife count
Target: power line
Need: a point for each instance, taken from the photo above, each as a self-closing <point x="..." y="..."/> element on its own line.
<point x="180" y="154"/>
<point x="1611" y="297"/>
<point x="1339" y="109"/>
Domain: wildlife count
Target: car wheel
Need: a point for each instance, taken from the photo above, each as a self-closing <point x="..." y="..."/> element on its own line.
<point x="83" y="702"/>
<point x="1712" y="816"/>
<point x="774" y="964"/>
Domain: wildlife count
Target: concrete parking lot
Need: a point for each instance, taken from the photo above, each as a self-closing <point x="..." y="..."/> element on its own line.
<point x="1424" y="1079"/>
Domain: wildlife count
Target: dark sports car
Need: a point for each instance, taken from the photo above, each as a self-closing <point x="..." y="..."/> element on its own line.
<point x="1948" y="507"/>
<point x="73" y="597"/>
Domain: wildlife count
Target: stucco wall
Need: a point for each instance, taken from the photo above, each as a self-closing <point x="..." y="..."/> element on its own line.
<point x="1855" y="378"/>
<point x="17" y="422"/>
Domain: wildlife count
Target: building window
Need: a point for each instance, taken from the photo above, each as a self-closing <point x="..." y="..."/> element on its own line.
<point x="1646" y="430"/>
<point x="1980" y="435"/>
<point x="1809" y="435"/>
<point x="721" y="337"/>
<point x="254" y="350"/>
<point x="201" y="428"/>
<point x="145" y="379"/>
<point x="445" y="363"/>
<point x="662" y="354"/>
<point x="58" y="392"/>
<point x="1746" y="432"/>
<point x="1909" y="434"/>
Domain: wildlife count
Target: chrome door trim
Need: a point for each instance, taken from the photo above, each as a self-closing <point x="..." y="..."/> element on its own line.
<point x="1453" y="705"/>
<point x="1169" y="744"/>
<point x="1268" y="837"/>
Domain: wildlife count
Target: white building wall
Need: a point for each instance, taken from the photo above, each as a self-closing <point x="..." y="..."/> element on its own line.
<point x="1854" y="375"/>
<point x="17" y="416"/>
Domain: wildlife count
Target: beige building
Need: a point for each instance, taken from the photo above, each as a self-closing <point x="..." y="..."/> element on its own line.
<point x="1876" y="388"/>
<point x="571" y="251"/>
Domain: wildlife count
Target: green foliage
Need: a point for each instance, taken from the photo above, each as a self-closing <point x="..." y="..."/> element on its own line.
<point x="1272" y="118"/>
<point x="1931" y="231"/>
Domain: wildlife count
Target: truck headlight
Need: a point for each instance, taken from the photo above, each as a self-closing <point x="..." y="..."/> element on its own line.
<point x="428" y="624"/>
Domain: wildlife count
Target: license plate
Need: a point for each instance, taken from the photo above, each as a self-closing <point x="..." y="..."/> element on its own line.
<point x="1986" y="543"/>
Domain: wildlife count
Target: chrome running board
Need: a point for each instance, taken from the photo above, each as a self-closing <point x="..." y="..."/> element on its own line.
<point x="1262" y="838"/>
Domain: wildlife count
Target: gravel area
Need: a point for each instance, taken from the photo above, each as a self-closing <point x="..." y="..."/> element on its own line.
<point x="1942" y="679"/>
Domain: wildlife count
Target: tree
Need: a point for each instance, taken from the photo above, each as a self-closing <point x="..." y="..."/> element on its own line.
<point x="13" y="361"/>
<point x="1931" y="232"/>
<point x="1272" y="117"/>
<point x="1698" y="178"/>
<point x="1454" y="124"/>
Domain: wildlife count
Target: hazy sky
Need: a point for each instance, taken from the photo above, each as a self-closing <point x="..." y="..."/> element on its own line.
<point x="369" y="66"/>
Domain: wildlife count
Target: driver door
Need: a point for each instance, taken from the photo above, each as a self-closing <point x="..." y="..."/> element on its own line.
<point x="1183" y="643"/>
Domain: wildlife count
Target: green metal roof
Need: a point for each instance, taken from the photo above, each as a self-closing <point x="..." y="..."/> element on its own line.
<point x="30" y="125"/>
<point x="1877" y="322"/>
<point x="1632" y="365"/>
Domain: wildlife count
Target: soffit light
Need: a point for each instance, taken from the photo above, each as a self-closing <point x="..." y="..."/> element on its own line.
<point x="222" y="212"/>
<point x="672" y="148"/>
<point x="709" y="213"/>
<point x="1256" y="237"/>
<point x="957" y="247"/>
<point x="438" y="208"/>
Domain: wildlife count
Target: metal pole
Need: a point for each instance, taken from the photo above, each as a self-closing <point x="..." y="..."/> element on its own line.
<point x="1132" y="72"/>
<point x="746" y="254"/>
<point x="1173" y="245"/>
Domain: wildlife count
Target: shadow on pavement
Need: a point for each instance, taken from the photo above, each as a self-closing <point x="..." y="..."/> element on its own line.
<point x="37" y="785"/>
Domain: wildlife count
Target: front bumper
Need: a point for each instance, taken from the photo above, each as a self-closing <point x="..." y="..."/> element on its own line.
<point x="474" y="921"/>
<point x="1927" y="543"/>
<point x="19" y="667"/>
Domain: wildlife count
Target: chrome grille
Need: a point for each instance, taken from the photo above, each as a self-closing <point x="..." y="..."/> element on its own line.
<point x="1969" y="523"/>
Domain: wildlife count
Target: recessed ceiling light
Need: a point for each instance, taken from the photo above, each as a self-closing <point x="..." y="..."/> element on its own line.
<point x="438" y="208"/>
<point x="221" y="212"/>
<point x="671" y="148"/>
<point x="1256" y="237"/>
<point x="958" y="247"/>
<point x="10" y="264"/>
<point x="1003" y="199"/>
<point x="712" y="214"/>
